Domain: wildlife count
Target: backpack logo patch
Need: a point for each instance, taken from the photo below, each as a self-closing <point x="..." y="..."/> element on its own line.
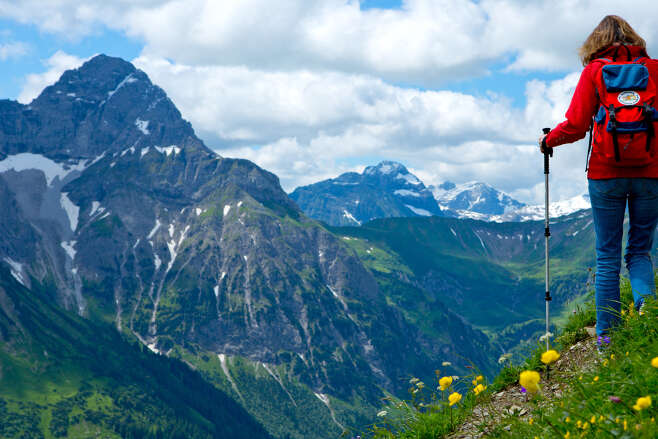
<point x="628" y="98"/>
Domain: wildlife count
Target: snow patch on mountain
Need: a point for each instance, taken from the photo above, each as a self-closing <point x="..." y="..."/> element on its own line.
<point x="168" y="150"/>
<point x="72" y="211"/>
<point x="418" y="211"/>
<point x="51" y="169"/>
<point x="142" y="125"/>
<point x="349" y="216"/>
<point x="154" y="229"/>
<point x="69" y="248"/>
<point x="16" y="269"/>
<point x="406" y="193"/>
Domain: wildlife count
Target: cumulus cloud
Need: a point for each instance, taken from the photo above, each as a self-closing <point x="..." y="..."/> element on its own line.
<point x="425" y="42"/>
<point x="307" y="126"/>
<point x="56" y="65"/>
<point x="13" y="50"/>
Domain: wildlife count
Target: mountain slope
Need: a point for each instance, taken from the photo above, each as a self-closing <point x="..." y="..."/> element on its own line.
<point x="76" y="375"/>
<point x="491" y="274"/>
<point x="385" y="190"/>
<point x="129" y="219"/>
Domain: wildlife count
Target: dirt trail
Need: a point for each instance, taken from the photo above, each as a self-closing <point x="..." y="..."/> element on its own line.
<point x="512" y="403"/>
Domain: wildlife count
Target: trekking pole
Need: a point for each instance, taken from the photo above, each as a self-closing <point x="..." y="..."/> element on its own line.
<point x="548" y="152"/>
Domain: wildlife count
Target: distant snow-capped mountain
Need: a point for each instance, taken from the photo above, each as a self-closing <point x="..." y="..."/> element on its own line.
<point x="473" y="200"/>
<point x="382" y="191"/>
<point x="557" y="208"/>
<point x="480" y="201"/>
<point x="390" y="190"/>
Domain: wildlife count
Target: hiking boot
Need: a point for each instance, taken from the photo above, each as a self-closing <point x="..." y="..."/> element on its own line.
<point x="602" y="344"/>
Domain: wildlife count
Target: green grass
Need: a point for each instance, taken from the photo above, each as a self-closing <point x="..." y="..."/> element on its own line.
<point x="428" y="413"/>
<point x="597" y="402"/>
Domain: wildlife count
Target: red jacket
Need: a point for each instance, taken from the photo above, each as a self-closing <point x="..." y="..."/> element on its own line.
<point x="584" y="104"/>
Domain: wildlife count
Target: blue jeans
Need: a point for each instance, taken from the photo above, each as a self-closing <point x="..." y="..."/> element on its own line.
<point x="609" y="198"/>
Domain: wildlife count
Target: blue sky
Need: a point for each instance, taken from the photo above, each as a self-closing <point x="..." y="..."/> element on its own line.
<point x="454" y="89"/>
<point x="43" y="44"/>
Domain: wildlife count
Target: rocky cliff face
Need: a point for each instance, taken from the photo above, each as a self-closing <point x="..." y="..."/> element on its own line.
<point x="115" y="206"/>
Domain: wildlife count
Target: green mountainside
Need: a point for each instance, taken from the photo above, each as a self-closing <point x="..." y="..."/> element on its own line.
<point x="489" y="274"/>
<point x="64" y="376"/>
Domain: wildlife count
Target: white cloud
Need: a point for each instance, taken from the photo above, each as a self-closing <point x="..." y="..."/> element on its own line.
<point x="307" y="126"/>
<point x="13" y="50"/>
<point x="424" y="42"/>
<point x="56" y="65"/>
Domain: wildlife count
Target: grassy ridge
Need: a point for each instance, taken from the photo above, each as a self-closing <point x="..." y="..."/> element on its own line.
<point x="601" y="400"/>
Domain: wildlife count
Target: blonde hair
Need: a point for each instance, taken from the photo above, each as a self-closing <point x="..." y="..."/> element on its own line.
<point x="612" y="29"/>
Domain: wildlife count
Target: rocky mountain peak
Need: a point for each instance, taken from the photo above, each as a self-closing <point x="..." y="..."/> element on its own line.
<point x="386" y="167"/>
<point x="106" y="105"/>
<point x="94" y="80"/>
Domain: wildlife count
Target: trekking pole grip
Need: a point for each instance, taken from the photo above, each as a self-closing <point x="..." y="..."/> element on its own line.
<point x="548" y="151"/>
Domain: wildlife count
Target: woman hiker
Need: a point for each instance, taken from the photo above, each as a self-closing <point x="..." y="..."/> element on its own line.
<point x="616" y="96"/>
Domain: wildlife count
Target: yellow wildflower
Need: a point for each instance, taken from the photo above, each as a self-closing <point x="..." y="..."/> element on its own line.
<point x="601" y="418"/>
<point x="479" y="378"/>
<point x="567" y="420"/>
<point x="445" y="382"/>
<point x="592" y="420"/>
<point x="654" y="362"/>
<point x="420" y="384"/>
<point x="642" y="403"/>
<point x="531" y="421"/>
<point x="567" y="435"/>
<point x="549" y="357"/>
<point x="479" y="389"/>
<point x="579" y="424"/>
<point x="605" y="362"/>
<point x="585" y="425"/>
<point x="529" y="379"/>
<point x="625" y="425"/>
<point x="627" y="353"/>
<point x="454" y="398"/>
<point x="596" y="378"/>
<point x="612" y="356"/>
<point x="413" y="380"/>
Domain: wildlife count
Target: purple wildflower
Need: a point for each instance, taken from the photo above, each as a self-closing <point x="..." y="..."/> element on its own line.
<point x="603" y="339"/>
<point x="523" y="390"/>
<point x="615" y="399"/>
